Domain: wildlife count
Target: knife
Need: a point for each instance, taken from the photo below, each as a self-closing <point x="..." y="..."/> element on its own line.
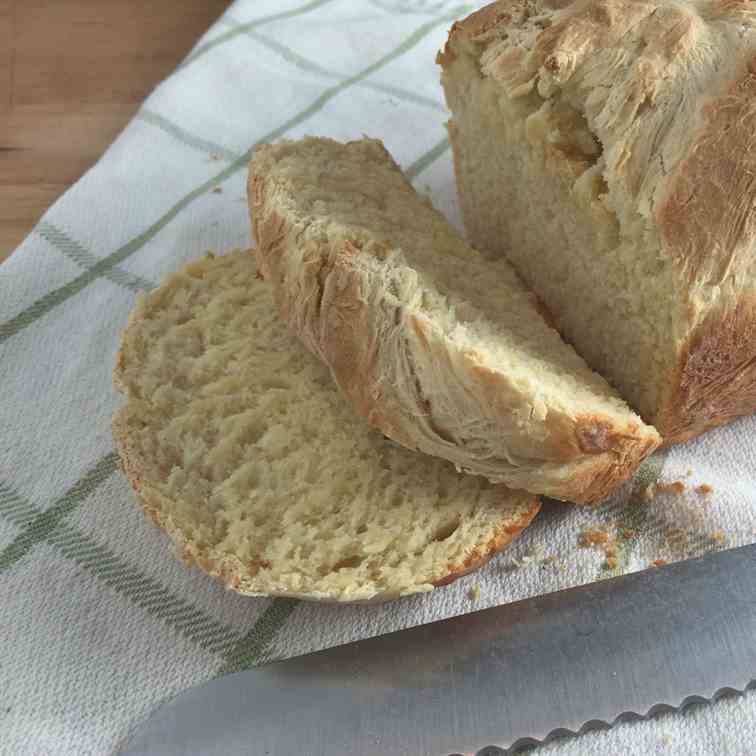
<point x="491" y="681"/>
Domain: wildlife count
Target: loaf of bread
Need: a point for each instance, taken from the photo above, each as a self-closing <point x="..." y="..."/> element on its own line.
<point x="441" y="350"/>
<point x="608" y="149"/>
<point x="238" y="444"/>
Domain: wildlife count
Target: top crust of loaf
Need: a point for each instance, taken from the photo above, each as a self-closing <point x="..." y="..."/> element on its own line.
<point x="675" y="113"/>
<point x="393" y="361"/>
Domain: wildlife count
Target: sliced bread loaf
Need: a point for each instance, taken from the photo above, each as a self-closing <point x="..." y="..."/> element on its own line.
<point x="608" y="149"/>
<point x="238" y="444"/>
<point x="441" y="350"/>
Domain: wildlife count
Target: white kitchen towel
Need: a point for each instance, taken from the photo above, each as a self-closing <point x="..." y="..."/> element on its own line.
<point x="99" y="622"/>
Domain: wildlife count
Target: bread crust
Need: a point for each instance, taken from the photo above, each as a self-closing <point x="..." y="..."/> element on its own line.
<point x="709" y="225"/>
<point x="703" y="201"/>
<point x="483" y="554"/>
<point x="322" y="291"/>
<point x="715" y="382"/>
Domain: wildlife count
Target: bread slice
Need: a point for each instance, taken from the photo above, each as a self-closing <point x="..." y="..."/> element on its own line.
<point x="607" y="149"/>
<point x="238" y="444"/>
<point x="439" y="349"/>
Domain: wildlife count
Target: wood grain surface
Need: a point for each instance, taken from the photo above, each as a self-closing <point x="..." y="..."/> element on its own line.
<point x="72" y="73"/>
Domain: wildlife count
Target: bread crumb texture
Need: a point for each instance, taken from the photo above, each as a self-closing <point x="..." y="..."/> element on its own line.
<point x="238" y="444"/>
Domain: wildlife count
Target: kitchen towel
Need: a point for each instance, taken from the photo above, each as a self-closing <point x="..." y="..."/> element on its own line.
<point x="99" y="622"/>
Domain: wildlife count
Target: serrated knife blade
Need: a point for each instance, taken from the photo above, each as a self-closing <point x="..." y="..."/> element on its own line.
<point x="495" y="679"/>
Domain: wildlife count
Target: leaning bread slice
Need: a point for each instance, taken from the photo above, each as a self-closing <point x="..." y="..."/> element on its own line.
<point x="238" y="444"/>
<point x="440" y="349"/>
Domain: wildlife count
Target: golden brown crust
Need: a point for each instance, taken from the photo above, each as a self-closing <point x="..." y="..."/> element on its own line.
<point x="716" y="382"/>
<point x="474" y="25"/>
<point x="490" y="18"/>
<point x="487" y="21"/>
<point x="709" y="226"/>
<point x="500" y="541"/>
<point x="601" y="482"/>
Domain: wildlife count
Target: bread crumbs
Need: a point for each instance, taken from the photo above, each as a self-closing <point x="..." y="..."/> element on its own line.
<point x="718" y="536"/>
<point x="534" y="555"/>
<point x="659" y="562"/>
<point x="677" y="487"/>
<point x="593" y="537"/>
<point x="649" y="492"/>
<point x="704" y="489"/>
<point x="474" y="593"/>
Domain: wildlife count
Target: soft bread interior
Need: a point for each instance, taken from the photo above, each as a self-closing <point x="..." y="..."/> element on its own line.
<point x="242" y="448"/>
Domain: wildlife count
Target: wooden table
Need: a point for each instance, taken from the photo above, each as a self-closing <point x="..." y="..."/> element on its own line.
<point x="72" y="73"/>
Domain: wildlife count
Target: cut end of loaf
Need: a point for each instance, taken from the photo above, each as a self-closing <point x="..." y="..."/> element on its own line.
<point x="240" y="447"/>
<point x="606" y="151"/>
